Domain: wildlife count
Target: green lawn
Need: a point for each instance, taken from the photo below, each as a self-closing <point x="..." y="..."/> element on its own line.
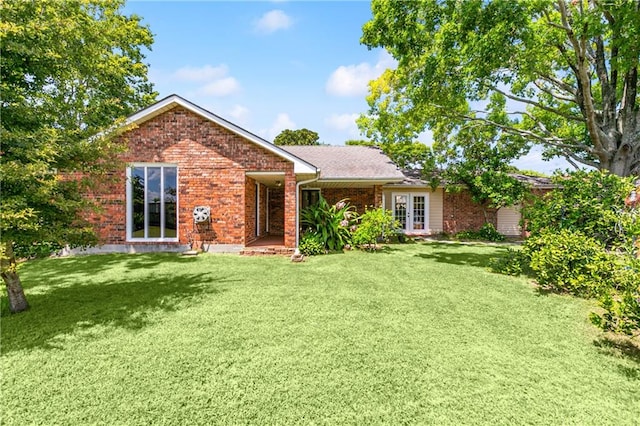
<point x="419" y="334"/>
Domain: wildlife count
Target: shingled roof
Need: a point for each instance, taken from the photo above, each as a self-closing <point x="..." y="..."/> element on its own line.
<point x="348" y="163"/>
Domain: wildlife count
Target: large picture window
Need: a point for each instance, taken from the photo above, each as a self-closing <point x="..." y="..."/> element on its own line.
<point x="152" y="200"/>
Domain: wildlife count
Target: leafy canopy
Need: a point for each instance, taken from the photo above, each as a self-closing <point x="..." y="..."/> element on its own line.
<point x="70" y="70"/>
<point x="563" y="74"/>
<point x="297" y="137"/>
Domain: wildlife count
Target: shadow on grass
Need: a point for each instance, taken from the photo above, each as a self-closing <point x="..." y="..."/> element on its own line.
<point x="622" y="347"/>
<point x="69" y="268"/>
<point x="85" y="310"/>
<point x="460" y="254"/>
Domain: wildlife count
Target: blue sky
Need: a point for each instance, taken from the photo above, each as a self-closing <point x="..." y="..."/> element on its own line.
<point x="272" y="65"/>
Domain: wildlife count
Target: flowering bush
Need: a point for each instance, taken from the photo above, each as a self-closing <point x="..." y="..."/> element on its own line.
<point x="331" y="224"/>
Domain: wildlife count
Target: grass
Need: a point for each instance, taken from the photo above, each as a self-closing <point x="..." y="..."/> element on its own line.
<point x="419" y="334"/>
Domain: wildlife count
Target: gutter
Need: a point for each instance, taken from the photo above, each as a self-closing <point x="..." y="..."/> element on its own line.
<point x="298" y="185"/>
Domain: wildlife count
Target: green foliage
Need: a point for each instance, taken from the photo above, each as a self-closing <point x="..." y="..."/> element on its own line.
<point x="331" y="224"/>
<point x="582" y="242"/>
<point x="533" y="173"/>
<point x="375" y="225"/>
<point x="297" y="137"/>
<point x="487" y="232"/>
<point x="453" y="55"/>
<point x="588" y="202"/>
<point x="569" y="261"/>
<point x="478" y="157"/>
<point x="70" y="70"/>
<point x="311" y="244"/>
<point x="621" y="299"/>
<point x="514" y="262"/>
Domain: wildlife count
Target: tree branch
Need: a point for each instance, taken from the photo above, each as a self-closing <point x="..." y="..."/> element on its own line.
<point x="555" y="141"/>
<point x="556" y="95"/>
<point x="559" y="84"/>
<point x="585" y="82"/>
<point x="538" y="105"/>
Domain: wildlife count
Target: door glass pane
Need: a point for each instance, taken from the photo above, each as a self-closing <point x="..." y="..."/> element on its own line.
<point x="170" y="199"/>
<point x="400" y="210"/>
<point x="418" y="212"/>
<point x="153" y="201"/>
<point x="137" y="195"/>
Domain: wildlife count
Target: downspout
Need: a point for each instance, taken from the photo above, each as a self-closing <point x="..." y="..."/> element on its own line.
<point x="298" y="185"/>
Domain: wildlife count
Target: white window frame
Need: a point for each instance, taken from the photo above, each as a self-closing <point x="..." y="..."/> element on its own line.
<point x="410" y="229"/>
<point x="129" y="203"/>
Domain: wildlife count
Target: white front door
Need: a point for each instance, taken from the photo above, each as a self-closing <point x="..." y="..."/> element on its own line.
<point x="411" y="210"/>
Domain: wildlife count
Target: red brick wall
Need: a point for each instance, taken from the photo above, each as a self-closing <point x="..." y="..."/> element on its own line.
<point x="211" y="161"/>
<point x="276" y="211"/>
<point x="357" y="197"/>
<point x="460" y="213"/>
<point x="250" y="211"/>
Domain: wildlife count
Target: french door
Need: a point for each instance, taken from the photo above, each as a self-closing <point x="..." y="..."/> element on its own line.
<point x="411" y="211"/>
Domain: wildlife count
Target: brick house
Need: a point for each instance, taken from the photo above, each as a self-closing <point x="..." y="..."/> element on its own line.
<point x="192" y="177"/>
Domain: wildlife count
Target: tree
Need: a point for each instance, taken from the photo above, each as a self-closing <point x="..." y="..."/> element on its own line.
<point x="477" y="157"/>
<point x="569" y="70"/>
<point x="70" y="70"/>
<point x="297" y="137"/>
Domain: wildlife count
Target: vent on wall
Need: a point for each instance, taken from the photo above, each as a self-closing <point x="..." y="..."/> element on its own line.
<point x="201" y="214"/>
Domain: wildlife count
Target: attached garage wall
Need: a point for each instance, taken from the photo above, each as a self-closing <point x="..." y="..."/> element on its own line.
<point x="509" y="221"/>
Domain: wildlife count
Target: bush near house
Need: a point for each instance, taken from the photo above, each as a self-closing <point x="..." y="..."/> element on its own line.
<point x="582" y="242"/>
<point x="330" y="224"/>
<point x="487" y="232"/>
<point x="376" y="225"/>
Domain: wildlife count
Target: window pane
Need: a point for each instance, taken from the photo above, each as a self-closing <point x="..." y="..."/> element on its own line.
<point x="418" y="212"/>
<point x="400" y="212"/>
<point x="137" y="193"/>
<point x="153" y="201"/>
<point x="170" y="198"/>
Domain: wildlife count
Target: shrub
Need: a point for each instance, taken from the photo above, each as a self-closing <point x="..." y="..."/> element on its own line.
<point x="487" y="232"/>
<point x="375" y="225"/>
<point x="621" y="300"/>
<point x="515" y="262"/>
<point x="569" y="261"/>
<point x="330" y="223"/>
<point x="310" y="245"/>
<point x="589" y="202"/>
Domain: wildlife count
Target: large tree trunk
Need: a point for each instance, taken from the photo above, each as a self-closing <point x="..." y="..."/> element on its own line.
<point x="17" y="299"/>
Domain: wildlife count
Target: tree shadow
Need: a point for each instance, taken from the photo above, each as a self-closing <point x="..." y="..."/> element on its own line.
<point x="460" y="254"/>
<point x="71" y="268"/>
<point x="621" y="347"/>
<point x="88" y="310"/>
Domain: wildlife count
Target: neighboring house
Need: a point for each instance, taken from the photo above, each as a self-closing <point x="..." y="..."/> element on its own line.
<point x="192" y="177"/>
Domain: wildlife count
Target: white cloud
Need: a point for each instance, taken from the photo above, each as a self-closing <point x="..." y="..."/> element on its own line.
<point x="353" y="80"/>
<point x="282" y="122"/>
<point x="273" y="21"/>
<point x="209" y="80"/>
<point x="239" y="113"/>
<point x="204" y="73"/>
<point x="222" y="87"/>
<point x="345" y="123"/>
